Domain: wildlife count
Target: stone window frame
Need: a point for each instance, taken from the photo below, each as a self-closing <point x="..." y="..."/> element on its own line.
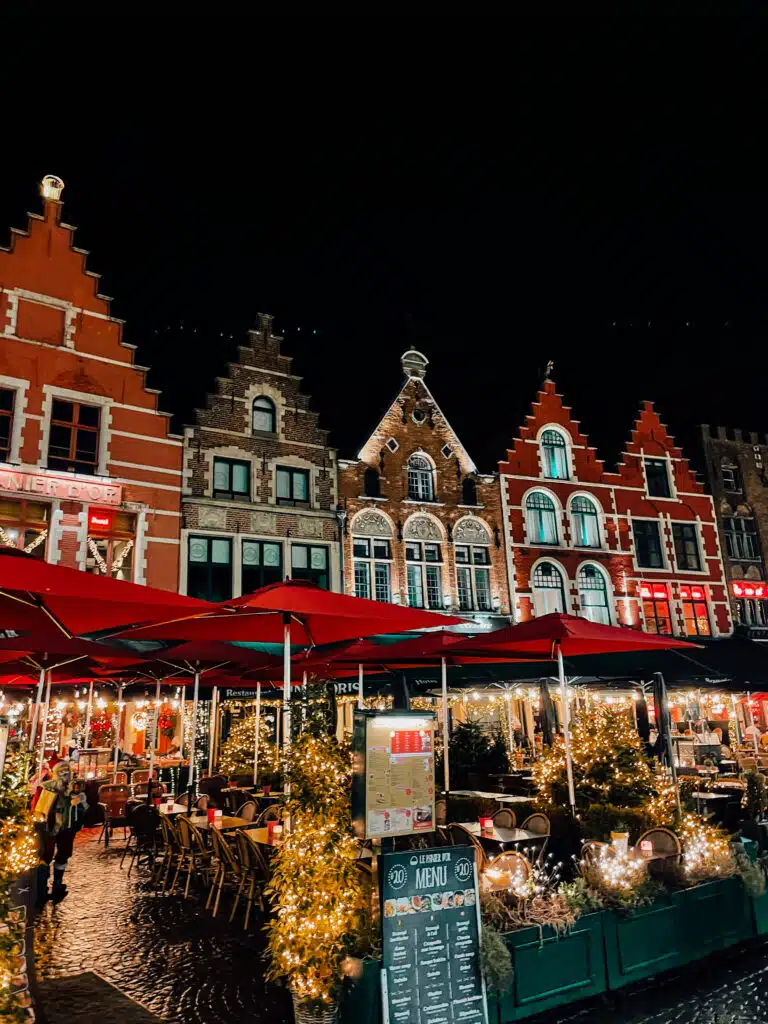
<point x="565" y="578"/>
<point x="21" y="400"/>
<point x="295" y="462"/>
<point x="105" y="403"/>
<point x="265" y="390"/>
<point x="610" y="593"/>
<point x="228" y="452"/>
<point x="558" y="428"/>
<point x="601" y="521"/>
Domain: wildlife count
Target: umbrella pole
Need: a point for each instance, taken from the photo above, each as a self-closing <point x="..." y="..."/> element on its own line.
<point x="749" y="709"/>
<point x="45" y="727"/>
<point x="256" y="738"/>
<point x="191" y="780"/>
<point x="183" y="714"/>
<point x="446" y="766"/>
<point x="360" y="701"/>
<point x="212" y="729"/>
<point x="566" y="730"/>
<point x="509" y="726"/>
<point x="286" y="685"/>
<point x="737" y="730"/>
<point x="87" y="737"/>
<point x="117" y="730"/>
<point x="155" y="720"/>
<point x="36" y="712"/>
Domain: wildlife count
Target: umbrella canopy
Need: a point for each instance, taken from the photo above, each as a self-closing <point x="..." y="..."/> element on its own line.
<point x="39" y="599"/>
<point x="315" y="616"/>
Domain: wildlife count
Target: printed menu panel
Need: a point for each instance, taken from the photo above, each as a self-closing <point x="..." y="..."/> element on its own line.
<point x="431" y="937"/>
<point x="399" y="775"/>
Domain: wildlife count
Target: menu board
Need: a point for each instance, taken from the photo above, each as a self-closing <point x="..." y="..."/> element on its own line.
<point x="431" y="935"/>
<point x="395" y="773"/>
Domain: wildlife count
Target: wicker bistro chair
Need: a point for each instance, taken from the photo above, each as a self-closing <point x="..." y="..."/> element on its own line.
<point x="113" y="800"/>
<point x="119" y="778"/>
<point x="228" y="869"/>
<point x="169" y="853"/>
<point x="539" y="823"/>
<point x="461" y="837"/>
<point x="591" y="851"/>
<point x="246" y="811"/>
<point x="143" y="823"/>
<point x="504" y="818"/>
<point x="510" y="866"/>
<point x="272" y="813"/>
<point x="665" y="850"/>
<point x="193" y="855"/>
<point x="256" y="874"/>
<point x="441" y="812"/>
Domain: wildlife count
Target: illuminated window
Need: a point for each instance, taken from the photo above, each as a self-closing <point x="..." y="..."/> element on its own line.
<point x="695" y="613"/>
<point x="209" y="568"/>
<point x="554" y="455"/>
<point x="655" y="598"/>
<point x="473" y="577"/>
<point x="741" y="538"/>
<point x="372" y="558"/>
<point x="310" y="562"/>
<point x="548" y="589"/>
<point x="263" y="415"/>
<point x="593" y="595"/>
<point x="111" y="542"/>
<point x="751" y="612"/>
<point x="73" y="441"/>
<point x="657" y="478"/>
<point x="686" y="541"/>
<point x="231" y="479"/>
<point x="24" y="525"/>
<point x="292" y="486"/>
<point x="647" y="543"/>
<point x="540" y="519"/>
<point x="420" y="479"/>
<point x="586" y="526"/>
<point x="7" y="398"/>
<point x="423" y="575"/>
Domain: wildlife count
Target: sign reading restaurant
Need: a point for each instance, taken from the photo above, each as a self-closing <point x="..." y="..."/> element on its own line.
<point x="60" y="487"/>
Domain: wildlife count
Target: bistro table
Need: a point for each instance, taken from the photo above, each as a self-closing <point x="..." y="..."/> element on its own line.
<point x="501" y="798"/>
<point x="223" y="822"/>
<point x="171" y="809"/>
<point x="701" y="798"/>
<point x="262" y="837"/>
<point x="504" y="838"/>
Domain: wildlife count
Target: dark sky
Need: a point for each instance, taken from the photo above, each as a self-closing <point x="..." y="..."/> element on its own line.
<point x="495" y="192"/>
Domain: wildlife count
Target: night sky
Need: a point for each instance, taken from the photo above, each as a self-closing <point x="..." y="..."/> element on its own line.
<point x="494" y="193"/>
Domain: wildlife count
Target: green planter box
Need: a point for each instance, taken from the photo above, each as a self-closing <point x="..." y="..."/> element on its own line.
<point x="717" y="915"/>
<point x="760" y="914"/>
<point x="651" y="940"/>
<point x="551" y="971"/>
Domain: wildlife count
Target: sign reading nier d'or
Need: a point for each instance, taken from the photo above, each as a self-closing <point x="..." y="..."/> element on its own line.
<point x="59" y="487"/>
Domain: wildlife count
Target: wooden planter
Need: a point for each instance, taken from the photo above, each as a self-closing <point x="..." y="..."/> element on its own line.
<point x="646" y="942"/>
<point x="552" y="970"/>
<point x="716" y="915"/>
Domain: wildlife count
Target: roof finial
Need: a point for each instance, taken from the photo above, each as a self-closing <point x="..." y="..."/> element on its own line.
<point x="549" y="369"/>
<point x="51" y="187"/>
<point x="414" y="363"/>
<point x="265" y="323"/>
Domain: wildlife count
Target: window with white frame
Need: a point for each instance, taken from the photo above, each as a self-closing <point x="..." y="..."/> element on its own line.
<point x="586" y="523"/>
<point x="73" y="440"/>
<point x="554" y="455"/>
<point x="473" y="577"/>
<point x="420" y="479"/>
<point x="541" y="519"/>
<point x="7" y="402"/>
<point x="548" y="589"/>
<point x="425" y="582"/>
<point x="741" y="538"/>
<point x="657" y="478"/>
<point x="695" y="612"/>
<point x="731" y="474"/>
<point x="593" y="595"/>
<point x="686" y="540"/>
<point x="310" y="562"/>
<point x="263" y="413"/>
<point x="231" y="479"/>
<point x="373" y="568"/>
<point x="292" y="486"/>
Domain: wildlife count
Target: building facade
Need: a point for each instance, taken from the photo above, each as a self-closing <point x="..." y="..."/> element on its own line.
<point x="90" y="476"/>
<point x="736" y="464"/>
<point x="636" y="547"/>
<point x="260" y="481"/>
<point x="421" y="526"/>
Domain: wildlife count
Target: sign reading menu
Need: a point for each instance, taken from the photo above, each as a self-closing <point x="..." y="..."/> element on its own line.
<point x="431" y="932"/>
<point x="394" y="783"/>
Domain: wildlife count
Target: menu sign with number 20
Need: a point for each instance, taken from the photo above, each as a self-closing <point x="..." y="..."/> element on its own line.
<point x="431" y="930"/>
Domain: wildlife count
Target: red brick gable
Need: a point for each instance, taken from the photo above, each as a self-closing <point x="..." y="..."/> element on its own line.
<point x="650" y="437"/>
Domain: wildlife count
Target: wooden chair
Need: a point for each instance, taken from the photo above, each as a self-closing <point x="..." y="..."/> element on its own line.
<point x="461" y="837"/>
<point x="194" y="855"/>
<point x="247" y="811"/>
<point x="663" y="843"/>
<point x="113" y="800"/>
<point x="539" y="823"/>
<point x="504" y="818"/>
<point x="256" y="873"/>
<point x="201" y="804"/>
<point x="228" y="871"/>
<point x="119" y="778"/>
<point x="441" y="812"/>
<point x="510" y="866"/>
<point x="443" y="835"/>
<point x="591" y="851"/>
<point x="169" y="853"/>
<point x="143" y="823"/>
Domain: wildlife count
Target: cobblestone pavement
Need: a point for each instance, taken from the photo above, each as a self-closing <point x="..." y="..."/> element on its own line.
<point x="171" y="956"/>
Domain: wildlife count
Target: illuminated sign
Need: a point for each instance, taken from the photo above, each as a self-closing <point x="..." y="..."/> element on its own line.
<point x="98" y="519"/>
<point x="657" y="590"/>
<point x="693" y="594"/>
<point x="58" y="487"/>
<point x="752" y="590"/>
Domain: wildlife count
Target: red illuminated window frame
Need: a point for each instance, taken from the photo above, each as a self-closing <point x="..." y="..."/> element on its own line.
<point x="658" y="618"/>
<point x="695" y="611"/>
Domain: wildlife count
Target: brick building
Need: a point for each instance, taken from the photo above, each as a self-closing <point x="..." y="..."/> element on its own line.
<point x="636" y="547"/>
<point x="89" y="475"/>
<point x="736" y="464"/>
<point x="259" y="481"/>
<point x="421" y="526"/>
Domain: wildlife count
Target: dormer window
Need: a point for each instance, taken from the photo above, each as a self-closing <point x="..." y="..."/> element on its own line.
<point x="657" y="478"/>
<point x="420" y="479"/>
<point x="264" y="419"/>
<point x="554" y="455"/>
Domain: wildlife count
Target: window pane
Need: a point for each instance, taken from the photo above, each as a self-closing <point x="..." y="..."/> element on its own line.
<point x="383" y="592"/>
<point x="59" y="440"/>
<point x="198" y="549"/>
<point x="220" y="475"/>
<point x="319" y="558"/>
<point x="647" y="543"/>
<point x="413" y="551"/>
<point x="381" y="549"/>
<point x="240" y="476"/>
<point x="362" y="580"/>
<point x="415" y="590"/>
<point x="361" y="547"/>
<point x="86" y="441"/>
<point x="251" y="552"/>
<point x="263" y="415"/>
<point x="300" y="486"/>
<point x="62" y="411"/>
<point x="686" y="545"/>
<point x="272" y="555"/>
<point x="220" y="551"/>
<point x="283" y="483"/>
<point x="87" y="415"/>
<point x="464" y="580"/>
<point x="657" y="475"/>
<point x="6" y="399"/>
<point x="481" y="556"/>
<point x="299" y="557"/>
<point x="462" y="554"/>
<point x="483" y="589"/>
<point x="431" y="552"/>
<point x="434" y="588"/>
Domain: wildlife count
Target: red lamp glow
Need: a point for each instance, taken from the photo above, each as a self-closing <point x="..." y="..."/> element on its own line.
<point x="99" y="519"/>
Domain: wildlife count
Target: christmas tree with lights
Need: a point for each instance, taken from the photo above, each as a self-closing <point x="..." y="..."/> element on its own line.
<point x="609" y="763"/>
<point x="238" y="749"/>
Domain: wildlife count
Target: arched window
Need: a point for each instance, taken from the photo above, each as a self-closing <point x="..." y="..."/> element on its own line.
<point x="554" y="455"/>
<point x="548" y="589"/>
<point x="593" y="595"/>
<point x="468" y="491"/>
<point x="420" y="480"/>
<point x="586" y="526"/>
<point x="264" y="415"/>
<point x="540" y="519"/>
<point x="371" y="487"/>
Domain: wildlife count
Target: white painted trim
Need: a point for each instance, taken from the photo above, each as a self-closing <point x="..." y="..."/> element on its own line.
<point x="284" y="440"/>
<point x="610" y="593"/>
<point x="162" y="540"/>
<point x="145" y="483"/>
<point x="564" y="576"/>
<point x="20" y="402"/>
<point x="80" y="353"/>
<point x="147" y="437"/>
<point x="509" y="556"/>
<point x="50" y="392"/>
<point x="146" y="467"/>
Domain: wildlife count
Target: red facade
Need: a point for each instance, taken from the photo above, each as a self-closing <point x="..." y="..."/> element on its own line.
<point x="636" y="547"/>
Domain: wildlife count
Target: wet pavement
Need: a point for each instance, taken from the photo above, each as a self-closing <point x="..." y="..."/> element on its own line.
<point x="171" y="957"/>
